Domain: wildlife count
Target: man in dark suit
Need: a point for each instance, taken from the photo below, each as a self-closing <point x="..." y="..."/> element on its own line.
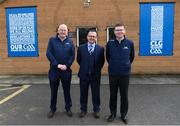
<point x="60" y="53"/>
<point x="90" y="58"/>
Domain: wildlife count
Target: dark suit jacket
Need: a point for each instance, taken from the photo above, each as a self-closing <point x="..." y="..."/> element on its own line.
<point x="82" y="59"/>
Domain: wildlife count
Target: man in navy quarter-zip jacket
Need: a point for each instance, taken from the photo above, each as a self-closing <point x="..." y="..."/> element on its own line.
<point x="120" y="55"/>
<point x="60" y="53"/>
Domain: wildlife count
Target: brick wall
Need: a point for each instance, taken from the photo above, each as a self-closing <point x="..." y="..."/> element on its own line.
<point x="100" y="13"/>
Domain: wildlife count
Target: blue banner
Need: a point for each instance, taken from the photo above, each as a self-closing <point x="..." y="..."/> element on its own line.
<point x="21" y="25"/>
<point x="156" y="29"/>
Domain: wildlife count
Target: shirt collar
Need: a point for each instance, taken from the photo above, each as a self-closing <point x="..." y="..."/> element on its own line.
<point x="60" y="39"/>
<point x="91" y="44"/>
<point x="120" y="40"/>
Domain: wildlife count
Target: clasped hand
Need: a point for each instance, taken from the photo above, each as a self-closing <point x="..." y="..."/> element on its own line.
<point x="62" y="67"/>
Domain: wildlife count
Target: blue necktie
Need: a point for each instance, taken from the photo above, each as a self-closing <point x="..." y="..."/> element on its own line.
<point x="90" y="49"/>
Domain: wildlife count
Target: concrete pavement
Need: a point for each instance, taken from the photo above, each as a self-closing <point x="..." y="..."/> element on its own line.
<point x="153" y="100"/>
<point x="148" y="105"/>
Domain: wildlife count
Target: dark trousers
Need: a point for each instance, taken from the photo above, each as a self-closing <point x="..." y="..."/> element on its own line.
<point x="66" y="82"/>
<point x="121" y="83"/>
<point x="95" y="90"/>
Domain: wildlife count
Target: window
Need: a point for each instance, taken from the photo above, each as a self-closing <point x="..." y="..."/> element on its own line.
<point x="110" y="33"/>
<point x="82" y="33"/>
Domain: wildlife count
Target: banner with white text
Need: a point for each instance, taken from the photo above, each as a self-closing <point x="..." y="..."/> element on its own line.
<point x="156" y="29"/>
<point x="21" y="25"/>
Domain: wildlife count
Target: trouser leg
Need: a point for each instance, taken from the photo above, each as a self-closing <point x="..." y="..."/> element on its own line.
<point x="84" y="85"/>
<point x="66" y="84"/>
<point x="124" y="84"/>
<point x="54" y="90"/>
<point x="95" y="90"/>
<point x="113" y="94"/>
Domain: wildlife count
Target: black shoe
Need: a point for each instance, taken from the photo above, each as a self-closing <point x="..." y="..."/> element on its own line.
<point x="82" y="114"/>
<point x="111" y="118"/>
<point x="50" y="114"/>
<point x="69" y="113"/>
<point x="96" y="115"/>
<point x="124" y="120"/>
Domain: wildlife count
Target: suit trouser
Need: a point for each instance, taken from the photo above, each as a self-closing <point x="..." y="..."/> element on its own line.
<point x="121" y="83"/>
<point x="95" y="90"/>
<point x="66" y="82"/>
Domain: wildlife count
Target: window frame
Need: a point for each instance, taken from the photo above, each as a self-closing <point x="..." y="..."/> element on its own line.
<point x="86" y="27"/>
<point x="107" y="32"/>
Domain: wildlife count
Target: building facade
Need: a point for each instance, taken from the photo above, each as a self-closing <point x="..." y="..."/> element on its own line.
<point x="80" y="15"/>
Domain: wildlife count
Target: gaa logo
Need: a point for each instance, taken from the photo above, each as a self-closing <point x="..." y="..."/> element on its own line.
<point x="22" y="47"/>
<point x="156" y="47"/>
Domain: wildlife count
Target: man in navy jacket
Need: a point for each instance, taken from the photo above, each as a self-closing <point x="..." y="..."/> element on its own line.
<point x="60" y="53"/>
<point x="119" y="55"/>
<point x="90" y="58"/>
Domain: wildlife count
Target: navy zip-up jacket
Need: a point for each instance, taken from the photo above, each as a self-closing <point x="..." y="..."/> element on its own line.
<point x="120" y="57"/>
<point x="59" y="52"/>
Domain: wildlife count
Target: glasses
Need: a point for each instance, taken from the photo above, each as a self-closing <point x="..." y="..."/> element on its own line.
<point x="119" y="30"/>
<point x="62" y="30"/>
<point x="91" y="36"/>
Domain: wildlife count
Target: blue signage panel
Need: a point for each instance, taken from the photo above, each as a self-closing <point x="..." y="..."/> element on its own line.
<point x="21" y="25"/>
<point x="156" y="29"/>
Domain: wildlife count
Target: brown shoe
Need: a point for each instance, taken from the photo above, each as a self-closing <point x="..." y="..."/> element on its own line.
<point x="82" y="114"/>
<point x="50" y="114"/>
<point x="96" y="115"/>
